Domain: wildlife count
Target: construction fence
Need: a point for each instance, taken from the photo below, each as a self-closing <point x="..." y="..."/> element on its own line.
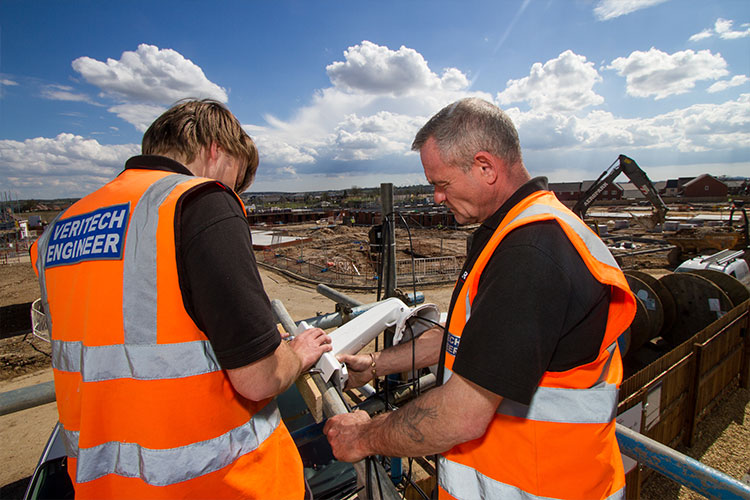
<point x="418" y="271"/>
<point x="669" y="398"/>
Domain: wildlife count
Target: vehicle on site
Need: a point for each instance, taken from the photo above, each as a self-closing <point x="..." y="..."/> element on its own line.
<point x="693" y="241"/>
<point x="638" y="177"/>
<point x="731" y="262"/>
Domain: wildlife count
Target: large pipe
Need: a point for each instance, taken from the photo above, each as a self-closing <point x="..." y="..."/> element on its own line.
<point x="334" y="320"/>
<point x="678" y="467"/>
<point x="27" y="397"/>
<point x="337" y="296"/>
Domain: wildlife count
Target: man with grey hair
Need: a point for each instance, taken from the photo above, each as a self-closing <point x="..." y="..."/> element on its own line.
<point x="528" y="357"/>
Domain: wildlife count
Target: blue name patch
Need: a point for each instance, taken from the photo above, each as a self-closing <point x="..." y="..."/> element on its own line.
<point x="97" y="235"/>
<point x="451" y="347"/>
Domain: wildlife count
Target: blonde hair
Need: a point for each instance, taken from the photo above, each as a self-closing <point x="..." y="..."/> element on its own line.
<point x="186" y="128"/>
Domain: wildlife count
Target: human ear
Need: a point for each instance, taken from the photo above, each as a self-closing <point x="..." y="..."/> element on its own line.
<point x="213" y="151"/>
<point x="487" y="165"/>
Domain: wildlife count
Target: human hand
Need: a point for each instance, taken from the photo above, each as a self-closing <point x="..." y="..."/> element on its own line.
<point x="347" y="434"/>
<point x="358" y="367"/>
<point x="310" y="345"/>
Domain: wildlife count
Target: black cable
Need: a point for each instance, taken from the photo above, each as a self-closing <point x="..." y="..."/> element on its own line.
<point x="419" y="490"/>
<point x="368" y="483"/>
<point x="428" y="320"/>
<point x="386" y="243"/>
<point x="411" y="252"/>
<point x="380" y="488"/>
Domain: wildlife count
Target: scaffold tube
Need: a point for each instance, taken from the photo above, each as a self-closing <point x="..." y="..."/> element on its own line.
<point x="678" y="467"/>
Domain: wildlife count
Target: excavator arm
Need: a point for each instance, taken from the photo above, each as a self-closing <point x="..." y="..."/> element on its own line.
<point x="638" y="177"/>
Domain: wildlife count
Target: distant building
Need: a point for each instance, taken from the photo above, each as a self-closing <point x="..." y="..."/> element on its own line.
<point x="631" y="192"/>
<point x="738" y="187"/>
<point x="566" y="191"/>
<point x="704" y="186"/>
<point x="672" y="189"/>
<point x="611" y="192"/>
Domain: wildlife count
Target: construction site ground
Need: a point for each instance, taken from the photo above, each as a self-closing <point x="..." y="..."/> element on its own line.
<point x="724" y="437"/>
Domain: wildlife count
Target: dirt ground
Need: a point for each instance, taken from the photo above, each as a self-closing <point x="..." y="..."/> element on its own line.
<point x="24" y="361"/>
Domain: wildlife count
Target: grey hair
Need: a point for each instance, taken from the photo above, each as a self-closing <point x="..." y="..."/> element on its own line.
<point x="468" y="126"/>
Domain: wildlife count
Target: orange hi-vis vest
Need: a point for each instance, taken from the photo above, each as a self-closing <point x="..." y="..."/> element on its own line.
<point x="146" y="410"/>
<point x="563" y="444"/>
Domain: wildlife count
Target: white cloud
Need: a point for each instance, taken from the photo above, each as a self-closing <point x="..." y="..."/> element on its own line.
<point x="138" y="115"/>
<point x="702" y="35"/>
<point x="610" y="9"/>
<point x="276" y="151"/>
<point x="149" y="74"/>
<point x="735" y="81"/>
<point x="5" y="82"/>
<point x="697" y="128"/>
<point x="64" y="93"/>
<point x="66" y="165"/>
<point x="370" y="137"/>
<point x="378" y="100"/>
<point x="290" y="172"/>
<point x="146" y="81"/>
<point x="656" y="73"/>
<point x="561" y="84"/>
<point x="723" y="29"/>
<point x="375" y="69"/>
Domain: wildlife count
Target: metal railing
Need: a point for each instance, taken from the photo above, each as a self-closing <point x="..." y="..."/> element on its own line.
<point x="432" y="270"/>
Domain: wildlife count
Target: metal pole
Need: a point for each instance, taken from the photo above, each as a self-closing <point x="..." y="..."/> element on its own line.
<point x="678" y="467"/>
<point x="389" y="240"/>
<point x="334" y="320"/>
<point x="389" y="280"/>
<point x="337" y="296"/>
<point x="341" y="298"/>
<point x="27" y="397"/>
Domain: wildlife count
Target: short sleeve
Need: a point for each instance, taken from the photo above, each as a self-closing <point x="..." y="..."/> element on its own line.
<point x="221" y="287"/>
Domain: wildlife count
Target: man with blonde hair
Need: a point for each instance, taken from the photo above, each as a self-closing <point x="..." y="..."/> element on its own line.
<point x="165" y="352"/>
<point x="528" y="359"/>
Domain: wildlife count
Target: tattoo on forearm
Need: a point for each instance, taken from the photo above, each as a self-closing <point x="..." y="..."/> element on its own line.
<point x="410" y="417"/>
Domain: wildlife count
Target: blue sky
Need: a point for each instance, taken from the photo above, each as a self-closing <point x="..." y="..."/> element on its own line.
<point x="333" y="92"/>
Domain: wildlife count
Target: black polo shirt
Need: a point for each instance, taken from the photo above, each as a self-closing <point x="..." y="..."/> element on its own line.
<point x="537" y="308"/>
<point x="218" y="275"/>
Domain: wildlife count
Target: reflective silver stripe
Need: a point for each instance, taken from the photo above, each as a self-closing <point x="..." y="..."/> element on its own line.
<point x="576" y="406"/>
<point x="593" y="243"/>
<point x="139" y="262"/>
<point x="465" y="483"/>
<point x="41" y="262"/>
<point x="447" y="372"/>
<point x="468" y="307"/>
<point x="162" y="467"/>
<point x="140" y="362"/>
<point x="605" y="369"/>
<point x="594" y="405"/>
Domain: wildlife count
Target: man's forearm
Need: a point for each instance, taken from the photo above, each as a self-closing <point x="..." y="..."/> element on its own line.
<point x="453" y="413"/>
<point x="424" y="352"/>
<point x="416" y="429"/>
<point x="269" y="376"/>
